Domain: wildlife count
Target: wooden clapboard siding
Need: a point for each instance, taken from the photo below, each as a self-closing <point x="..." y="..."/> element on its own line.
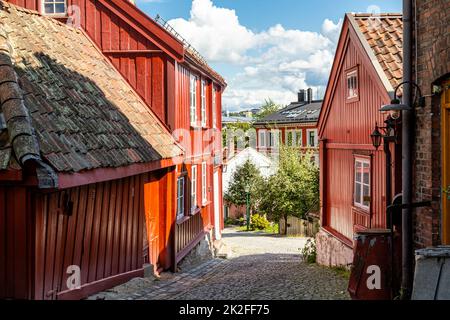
<point x="103" y="235"/>
<point x="345" y="128"/>
<point x="15" y="243"/>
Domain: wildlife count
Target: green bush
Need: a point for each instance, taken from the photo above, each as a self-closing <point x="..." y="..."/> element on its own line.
<point x="259" y="222"/>
<point x="309" y="251"/>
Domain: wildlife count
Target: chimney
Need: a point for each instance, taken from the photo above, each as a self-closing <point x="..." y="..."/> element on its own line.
<point x="301" y="95"/>
<point x="310" y="95"/>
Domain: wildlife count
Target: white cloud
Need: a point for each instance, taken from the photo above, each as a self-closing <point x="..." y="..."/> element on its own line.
<point x="275" y="63"/>
<point x="215" y="32"/>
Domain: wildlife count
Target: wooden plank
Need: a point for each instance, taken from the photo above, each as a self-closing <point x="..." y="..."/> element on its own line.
<point x="136" y="225"/>
<point x="87" y="240"/>
<point x="95" y="240"/>
<point x="123" y="226"/>
<point x="71" y="235"/>
<point x="81" y="211"/>
<point x="50" y="247"/>
<point x="3" y="243"/>
<point x="101" y="285"/>
<point x="61" y="233"/>
<point x="117" y="227"/>
<point x="129" y="224"/>
<point x="103" y="231"/>
<point x="110" y="231"/>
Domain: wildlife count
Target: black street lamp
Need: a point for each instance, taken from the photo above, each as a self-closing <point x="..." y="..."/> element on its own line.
<point x="396" y="107"/>
<point x="388" y="134"/>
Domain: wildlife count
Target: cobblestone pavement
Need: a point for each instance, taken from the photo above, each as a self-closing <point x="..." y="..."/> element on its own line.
<point x="260" y="267"/>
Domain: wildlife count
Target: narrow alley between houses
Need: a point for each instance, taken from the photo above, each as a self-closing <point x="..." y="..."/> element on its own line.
<point x="258" y="266"/>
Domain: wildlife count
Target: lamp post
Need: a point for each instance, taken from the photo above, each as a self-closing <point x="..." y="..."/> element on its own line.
<point x="395" y="110"/>
<point x="247" y="192"/>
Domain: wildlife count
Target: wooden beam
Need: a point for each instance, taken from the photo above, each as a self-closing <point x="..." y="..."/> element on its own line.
<point x="70" y="180"/>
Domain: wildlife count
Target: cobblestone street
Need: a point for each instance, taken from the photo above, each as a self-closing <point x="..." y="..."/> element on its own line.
<point x="259" y="266"/>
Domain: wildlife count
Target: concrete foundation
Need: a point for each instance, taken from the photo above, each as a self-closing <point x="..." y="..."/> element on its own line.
<point x="332" y="252"/>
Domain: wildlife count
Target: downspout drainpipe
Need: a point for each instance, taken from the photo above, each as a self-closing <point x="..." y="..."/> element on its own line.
<point x="407" y="151"/>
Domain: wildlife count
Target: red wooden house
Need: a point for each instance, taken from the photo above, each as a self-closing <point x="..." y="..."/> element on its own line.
<point x="366" y="70"/>
<point x="181" y="89"/>
<point x="295" y="126"/>
<point x="86" y="166"/>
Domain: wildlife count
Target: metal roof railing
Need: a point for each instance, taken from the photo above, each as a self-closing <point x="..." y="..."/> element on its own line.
<point x="164" y="24"/>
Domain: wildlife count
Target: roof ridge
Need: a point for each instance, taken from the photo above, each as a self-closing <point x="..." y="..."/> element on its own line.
<point x="376" y="15"/>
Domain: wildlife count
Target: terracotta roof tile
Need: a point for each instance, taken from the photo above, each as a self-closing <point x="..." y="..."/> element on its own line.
<point x="69" y="106"/>
<point x="384" y="34"/>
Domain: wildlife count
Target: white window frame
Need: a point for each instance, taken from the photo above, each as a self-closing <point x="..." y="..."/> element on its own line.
<point x="214" y="106"/>
<point x="181" y="200"/>
<point x="273" y="137"/>
<point x="296" y="134"/>
<point x="203" y="107"/>
<point x="193" y="100"/>
<point x="352" y="86"/>
<point x="54" y="3"/>
<point x="262" y="139"/>
<point x="194" y="202"/>
<point x="204" y="183"/>
<point x="359" y="202"/>
<point x="308" y="138"/>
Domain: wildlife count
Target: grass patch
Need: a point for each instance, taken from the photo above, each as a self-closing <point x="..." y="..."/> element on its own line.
<point x="272" y="229"/>
<point x="342" y="271"/>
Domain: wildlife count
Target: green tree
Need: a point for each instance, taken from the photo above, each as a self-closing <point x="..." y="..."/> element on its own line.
<point x="293" y="190"/>
<point x="245" y="174"/>
<point x="268" y="108"/>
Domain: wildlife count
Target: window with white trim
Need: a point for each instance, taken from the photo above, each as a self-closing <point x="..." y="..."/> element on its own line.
<point x="262" y="139"/>
<point x="294" y="138"/>
<point x="312" y="138"/>
<point x="362" y="183"/>
<point x="204" y="183"/>
<point x="181" y="185"/>
<point x="352" y="84"/>
<point x="203" y="93"/>
<point x="54" y="7"/>
<point x="273" y="138"/>
<point x="298" y="138"/>
<point x="194" y="203"/>
<point x="214" y="106"/>
<point x="193" y="100"/>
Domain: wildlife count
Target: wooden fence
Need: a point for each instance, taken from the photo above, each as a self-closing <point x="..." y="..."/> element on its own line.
<point x="299" y="227"/>
<point x="188" y="234"/>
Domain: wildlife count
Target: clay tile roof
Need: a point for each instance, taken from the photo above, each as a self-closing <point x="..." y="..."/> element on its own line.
<point x="64" y="103"/>
<point x="384" y="34"/>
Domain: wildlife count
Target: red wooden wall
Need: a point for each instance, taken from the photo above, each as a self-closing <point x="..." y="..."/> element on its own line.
<point x="103" y="236"/>
<point x="347" y="131"/>
<point x="16" y="243"/>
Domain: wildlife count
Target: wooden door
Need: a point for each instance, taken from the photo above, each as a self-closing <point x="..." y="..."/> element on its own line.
<point x="446" y="163"/>
<point x="151" y="196"/>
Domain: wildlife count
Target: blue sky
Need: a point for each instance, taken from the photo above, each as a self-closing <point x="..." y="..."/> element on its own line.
<point x="265" y="49"/>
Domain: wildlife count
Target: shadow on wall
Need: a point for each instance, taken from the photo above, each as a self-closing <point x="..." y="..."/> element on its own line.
<point x="78" y="128"/>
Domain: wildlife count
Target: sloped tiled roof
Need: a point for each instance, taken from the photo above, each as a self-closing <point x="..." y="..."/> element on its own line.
<point x="64" y="103"/>
<point x="296" y="112"/>
<point x="384" y="34"/>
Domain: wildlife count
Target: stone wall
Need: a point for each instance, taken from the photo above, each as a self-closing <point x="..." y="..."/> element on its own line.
<point x="431" y="59"/>
<point x="201" y="253"/>
<point x="331" y="252"/>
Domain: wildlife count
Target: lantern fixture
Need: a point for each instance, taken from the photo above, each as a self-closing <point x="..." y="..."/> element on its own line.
<point x="376" y="137"/>
<point x="396" y="107"/>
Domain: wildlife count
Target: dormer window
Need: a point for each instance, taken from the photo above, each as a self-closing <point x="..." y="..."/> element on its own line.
<point x="54" y="7"/>
<point x="352" y="84"/>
